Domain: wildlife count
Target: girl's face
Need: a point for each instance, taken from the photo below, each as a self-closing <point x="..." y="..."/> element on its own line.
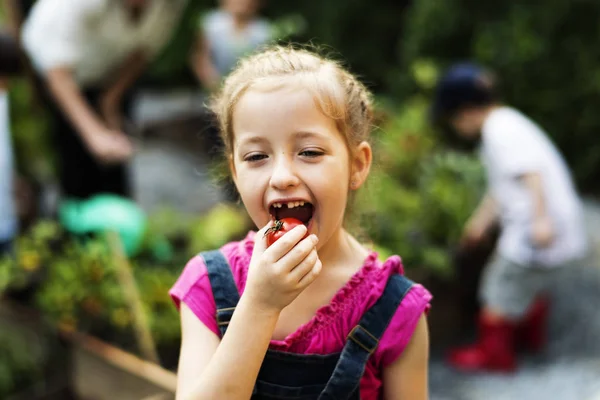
<point x="287" y="153"/>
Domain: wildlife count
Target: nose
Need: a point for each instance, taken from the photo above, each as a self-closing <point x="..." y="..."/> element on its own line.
<point x="283" y="175"/>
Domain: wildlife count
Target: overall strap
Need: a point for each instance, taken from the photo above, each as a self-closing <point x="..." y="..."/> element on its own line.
<point x="364" y="339"/>
<point x="223" y="286"/>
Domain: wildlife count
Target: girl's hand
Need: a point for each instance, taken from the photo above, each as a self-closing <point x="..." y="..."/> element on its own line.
<point x="278" y="274"/>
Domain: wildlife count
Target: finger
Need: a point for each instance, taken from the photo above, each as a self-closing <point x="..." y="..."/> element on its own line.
<point x="282" y="246"/>
<point x="260" y="241"/>
<point x="311" y="275"/>
<point x="305" y="266"/>
<point x="296" y="252"/>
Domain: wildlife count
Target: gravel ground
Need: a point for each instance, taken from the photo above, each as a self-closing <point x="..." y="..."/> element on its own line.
<point x="569" y="369"/>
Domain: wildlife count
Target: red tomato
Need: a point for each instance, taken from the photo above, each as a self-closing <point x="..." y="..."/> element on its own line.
<point x="281" y="227"/>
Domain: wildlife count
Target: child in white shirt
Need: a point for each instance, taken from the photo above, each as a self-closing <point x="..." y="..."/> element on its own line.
<point x="531" y="194"/>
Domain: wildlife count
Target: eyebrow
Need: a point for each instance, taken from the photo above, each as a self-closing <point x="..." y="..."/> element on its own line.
<point x="252" y="140"/>
<point x="311" y="134"/>
<point x="297" y="135"/>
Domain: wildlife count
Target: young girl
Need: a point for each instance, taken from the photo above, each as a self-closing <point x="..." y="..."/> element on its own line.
<point x="315" y="315"/>
<point x="531" y="194"/>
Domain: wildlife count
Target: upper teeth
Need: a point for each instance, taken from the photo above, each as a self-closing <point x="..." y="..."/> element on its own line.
<point x="291" y="204"/>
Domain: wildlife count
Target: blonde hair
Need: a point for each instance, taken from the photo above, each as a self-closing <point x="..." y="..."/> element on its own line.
<point x="338" y="94"/>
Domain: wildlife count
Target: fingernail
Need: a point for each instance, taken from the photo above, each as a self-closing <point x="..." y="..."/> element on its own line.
<point x="315" y="238"/>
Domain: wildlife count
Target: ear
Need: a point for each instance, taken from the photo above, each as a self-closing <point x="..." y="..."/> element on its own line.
<point x="361" y="165"/>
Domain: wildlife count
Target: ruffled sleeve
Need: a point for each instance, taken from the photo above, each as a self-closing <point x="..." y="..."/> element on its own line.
<point x="403" y="324"/>
<point x="193" y="288"/>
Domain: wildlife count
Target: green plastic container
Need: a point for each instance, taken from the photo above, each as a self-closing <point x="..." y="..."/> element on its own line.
<point x="104" y="213"/>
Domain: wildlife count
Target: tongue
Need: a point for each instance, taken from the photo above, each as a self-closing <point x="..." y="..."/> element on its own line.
<point x="302" y="213"/>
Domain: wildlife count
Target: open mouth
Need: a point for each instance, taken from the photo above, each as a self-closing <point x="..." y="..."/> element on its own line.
<point x="300" y="210"/>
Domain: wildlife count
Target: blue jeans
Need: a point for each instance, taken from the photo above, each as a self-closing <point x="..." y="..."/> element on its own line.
<point x="310" y="376"/>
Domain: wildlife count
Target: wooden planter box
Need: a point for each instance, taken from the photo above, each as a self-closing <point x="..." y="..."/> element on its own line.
<point x="96" y="370"/>
<point x="100" y="371"/>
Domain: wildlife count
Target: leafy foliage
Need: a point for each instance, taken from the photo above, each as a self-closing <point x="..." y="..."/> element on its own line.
<point x="22" y="354"/>
<point x="420" y="193"/>
<point x="77" y="278"/>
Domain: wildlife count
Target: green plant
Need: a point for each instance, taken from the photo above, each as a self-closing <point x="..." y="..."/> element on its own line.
<point x="218" y="226"/>
<point x="80" y="289"/>
<point x="29" y="125"/>
<point x="420" y="193"/>
<point x="22" y="357"/>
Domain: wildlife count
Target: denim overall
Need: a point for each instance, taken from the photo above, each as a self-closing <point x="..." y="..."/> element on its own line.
<point x="310" y="376"/>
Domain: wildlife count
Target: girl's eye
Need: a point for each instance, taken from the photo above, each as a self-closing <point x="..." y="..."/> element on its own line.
<point x="311" y="153"/>
<point x="255" y="157"/>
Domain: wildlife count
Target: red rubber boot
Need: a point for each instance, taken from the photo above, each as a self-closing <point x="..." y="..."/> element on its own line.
<point x="532" y="331"/>
<point x="494" y="350"/>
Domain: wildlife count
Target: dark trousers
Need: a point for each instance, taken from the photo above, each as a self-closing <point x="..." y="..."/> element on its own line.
<point x="79" y="172"/>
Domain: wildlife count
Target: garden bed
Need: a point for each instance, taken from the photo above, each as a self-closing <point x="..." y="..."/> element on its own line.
<point x="113" y="316"/>
<point x="91" y="368"/>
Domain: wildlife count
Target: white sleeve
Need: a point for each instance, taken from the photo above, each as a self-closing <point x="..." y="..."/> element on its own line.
<point x="55" y="31"/>
<point x="516" y="152"/>
<point x="164" y="27"/>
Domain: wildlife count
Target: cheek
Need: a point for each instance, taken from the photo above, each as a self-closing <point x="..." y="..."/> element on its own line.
<point x="334" y="183"/>
<point x="251" y="186"/>
<point x="247" y="184"/>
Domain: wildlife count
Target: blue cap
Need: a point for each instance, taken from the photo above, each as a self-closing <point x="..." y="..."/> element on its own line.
<point x="462" y="85"/>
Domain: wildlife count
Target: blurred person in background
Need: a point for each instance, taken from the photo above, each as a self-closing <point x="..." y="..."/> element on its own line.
<point x="532" y="195"/>
<point x="89" y="54"/>
<point x="225" y="35"/>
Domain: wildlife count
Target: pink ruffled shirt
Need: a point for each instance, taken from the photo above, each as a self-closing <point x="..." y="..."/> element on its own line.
<point x="326" y="332"/>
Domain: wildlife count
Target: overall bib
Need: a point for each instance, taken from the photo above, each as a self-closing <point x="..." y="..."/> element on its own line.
<point x="310" y="376"/>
